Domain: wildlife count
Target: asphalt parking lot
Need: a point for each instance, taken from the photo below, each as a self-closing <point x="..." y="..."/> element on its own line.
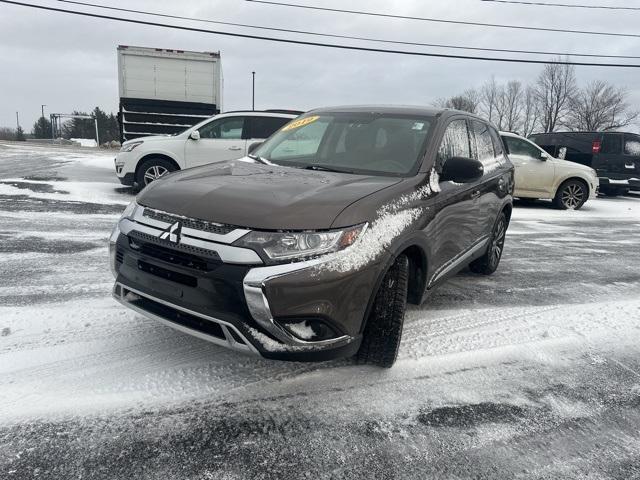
<point x="531" y="373"/>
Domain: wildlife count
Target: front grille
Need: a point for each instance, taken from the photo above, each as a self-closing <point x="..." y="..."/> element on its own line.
<point x="175" y="257"/>
<point x="119" y="256"/>
<point x="170" y="275"/>
<point x="193" y="223"/>
<point x="175" y="248"/>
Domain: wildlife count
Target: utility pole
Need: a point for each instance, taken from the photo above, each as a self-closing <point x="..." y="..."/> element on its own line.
<point x="253" y="91"/>
<point x="43" y="120"/>
<point x="17" y="120"/>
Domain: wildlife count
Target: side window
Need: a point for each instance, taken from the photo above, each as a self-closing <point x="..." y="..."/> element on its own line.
<point x="632" y="145"/>
<point x="517" y="146"/>
<point x="229" y="128"/>
<point x="484" y="143"/>
<point x="498" y="146"/>
<point x="611" y="144"/>
<point x="264" y="127"/>
<point x="455" y="142"/>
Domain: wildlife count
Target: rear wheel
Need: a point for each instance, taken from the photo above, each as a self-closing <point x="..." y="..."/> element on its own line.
<point x="488" y="263"/>
<point x="382" y="334"/>
<point x="152" y="169"/>
<point x="571" y="195"/>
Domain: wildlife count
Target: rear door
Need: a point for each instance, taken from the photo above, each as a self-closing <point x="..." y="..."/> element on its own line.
<point x="221" y="139"/>
<point x="632" y="155"/>
<point x="533" y="175"/>
<point x="456" y="219"/>
<point x="488" y="149"/>
<point x="609" y="160"/>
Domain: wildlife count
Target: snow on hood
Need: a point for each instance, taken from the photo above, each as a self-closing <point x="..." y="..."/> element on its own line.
<point x="391" y="221"/>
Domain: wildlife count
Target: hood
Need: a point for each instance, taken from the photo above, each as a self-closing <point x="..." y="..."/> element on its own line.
<point x="566" y="164"/>
<point x="260" y="196"/>
<point x="153" y="138"/>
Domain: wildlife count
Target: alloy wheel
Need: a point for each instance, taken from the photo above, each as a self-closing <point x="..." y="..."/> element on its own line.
<point x="497" y="243"/>
<point x="572" y="196"/>
<point x="154" y="173"/>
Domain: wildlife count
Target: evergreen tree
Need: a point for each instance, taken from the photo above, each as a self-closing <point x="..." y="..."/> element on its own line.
<point x="20" y="134"/>
<point x="42" y="128"/>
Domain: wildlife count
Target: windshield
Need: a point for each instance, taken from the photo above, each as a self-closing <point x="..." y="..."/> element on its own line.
<point x="365" y="143"/>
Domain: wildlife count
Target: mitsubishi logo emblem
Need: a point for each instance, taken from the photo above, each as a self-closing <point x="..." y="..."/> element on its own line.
<point x="172" y="233"/>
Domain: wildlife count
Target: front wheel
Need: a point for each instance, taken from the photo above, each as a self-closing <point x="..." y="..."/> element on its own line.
<point x="488" y="263"/>
<point x="152" y="169"/>
<point x="383" y="331"/>
<point x="571" y="195"/>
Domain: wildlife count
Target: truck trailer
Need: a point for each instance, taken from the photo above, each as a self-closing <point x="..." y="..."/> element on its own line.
<point x="163" y="92"/>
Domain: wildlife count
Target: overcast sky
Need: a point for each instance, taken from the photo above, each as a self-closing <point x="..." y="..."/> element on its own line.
<point x="69" y="62"/>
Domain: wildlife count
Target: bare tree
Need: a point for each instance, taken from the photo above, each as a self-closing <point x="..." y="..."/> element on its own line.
<point x="488" y="96"/>
<point x="600" y="106"/>
<point x="512" y="95"/>
<point x="467" y="101"/>
<point x="555" y="86"/>
<point x="530" y="112"/>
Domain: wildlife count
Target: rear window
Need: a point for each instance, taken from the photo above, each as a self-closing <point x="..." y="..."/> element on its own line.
<point x="264" y="127"/>
<point x="632" y="145"/>
<point x="611" y="144"/>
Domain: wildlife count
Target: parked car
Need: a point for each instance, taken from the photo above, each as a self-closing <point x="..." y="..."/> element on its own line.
<point x="614" y="155"/>
<point x="310" y="248"/>
<point x="222" y="137"/>
<point x="539" y="175"/>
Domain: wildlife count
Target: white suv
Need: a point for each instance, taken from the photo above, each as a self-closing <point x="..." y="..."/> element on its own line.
<point x="539" y="175"/>
<point x="222" y="137"/>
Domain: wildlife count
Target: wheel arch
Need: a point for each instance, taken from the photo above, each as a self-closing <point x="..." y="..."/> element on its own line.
<point x="575" y="177"/>
<point x="150" y="156"/>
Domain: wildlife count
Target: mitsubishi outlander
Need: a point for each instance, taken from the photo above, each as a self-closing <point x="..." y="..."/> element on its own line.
<point x="311" y="246"/>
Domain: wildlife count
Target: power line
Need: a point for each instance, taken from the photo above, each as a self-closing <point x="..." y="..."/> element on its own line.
<point x="440" y="20"/>
<point x="318" y="44"/>
<point x="348" y="37"/>
<point x="566" y="5"/>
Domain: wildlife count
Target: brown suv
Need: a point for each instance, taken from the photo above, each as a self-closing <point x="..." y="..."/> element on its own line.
<point x="310" y="248"/>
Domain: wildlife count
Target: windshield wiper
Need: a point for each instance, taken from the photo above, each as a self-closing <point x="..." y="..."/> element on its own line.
<point x="260" y="160"/>
<point x="323" y="168"/>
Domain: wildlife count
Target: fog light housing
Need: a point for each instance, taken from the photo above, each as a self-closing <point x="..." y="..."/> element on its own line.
<point x="309" y="329"/>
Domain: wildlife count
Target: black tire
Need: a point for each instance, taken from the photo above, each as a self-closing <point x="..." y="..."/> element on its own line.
<point x="153" y="168"/>
<point x="571" y="195"/>
<point x="383" y="332"/>
<point x="488" y="263"/>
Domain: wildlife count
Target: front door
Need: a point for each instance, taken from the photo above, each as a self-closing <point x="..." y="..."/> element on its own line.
<point x="221" y="139"/>
<point x="456" y="220"/>
<point x="534" y="175"/>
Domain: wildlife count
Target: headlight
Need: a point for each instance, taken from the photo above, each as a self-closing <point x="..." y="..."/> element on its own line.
<point x="281" y="246"/>
<point x="130" y="146"/>
<point x="130" y="211"/>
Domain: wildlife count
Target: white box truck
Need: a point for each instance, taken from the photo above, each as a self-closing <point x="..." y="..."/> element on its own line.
<point x="166" y="91"/>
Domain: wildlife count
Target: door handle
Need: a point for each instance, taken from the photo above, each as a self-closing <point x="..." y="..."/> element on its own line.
<point x="235" y="149"/>
<point x="475" y="194"/>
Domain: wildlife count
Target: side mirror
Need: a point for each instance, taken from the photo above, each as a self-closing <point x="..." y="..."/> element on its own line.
<point x="462" y="170"/>
<point x="254" y="146"/>
<point x="544" y="156"/>
<point x="195" y="135"/>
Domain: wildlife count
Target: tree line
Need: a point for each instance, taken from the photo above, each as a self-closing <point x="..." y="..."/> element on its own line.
<point x="553" y="102"/>
<point x="108" y="128"/>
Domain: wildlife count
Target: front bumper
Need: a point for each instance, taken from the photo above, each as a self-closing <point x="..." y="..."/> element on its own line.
<point x="225" y="294"/>
<point x="124" y="172"/>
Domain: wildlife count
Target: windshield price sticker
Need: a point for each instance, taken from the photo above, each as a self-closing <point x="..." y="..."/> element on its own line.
<point x="300" y="123"/>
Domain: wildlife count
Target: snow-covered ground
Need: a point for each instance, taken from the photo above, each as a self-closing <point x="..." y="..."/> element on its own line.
<point x="531" y="373"/>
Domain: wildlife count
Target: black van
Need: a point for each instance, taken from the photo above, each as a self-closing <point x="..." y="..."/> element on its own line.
<point x="615" y="156"/>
